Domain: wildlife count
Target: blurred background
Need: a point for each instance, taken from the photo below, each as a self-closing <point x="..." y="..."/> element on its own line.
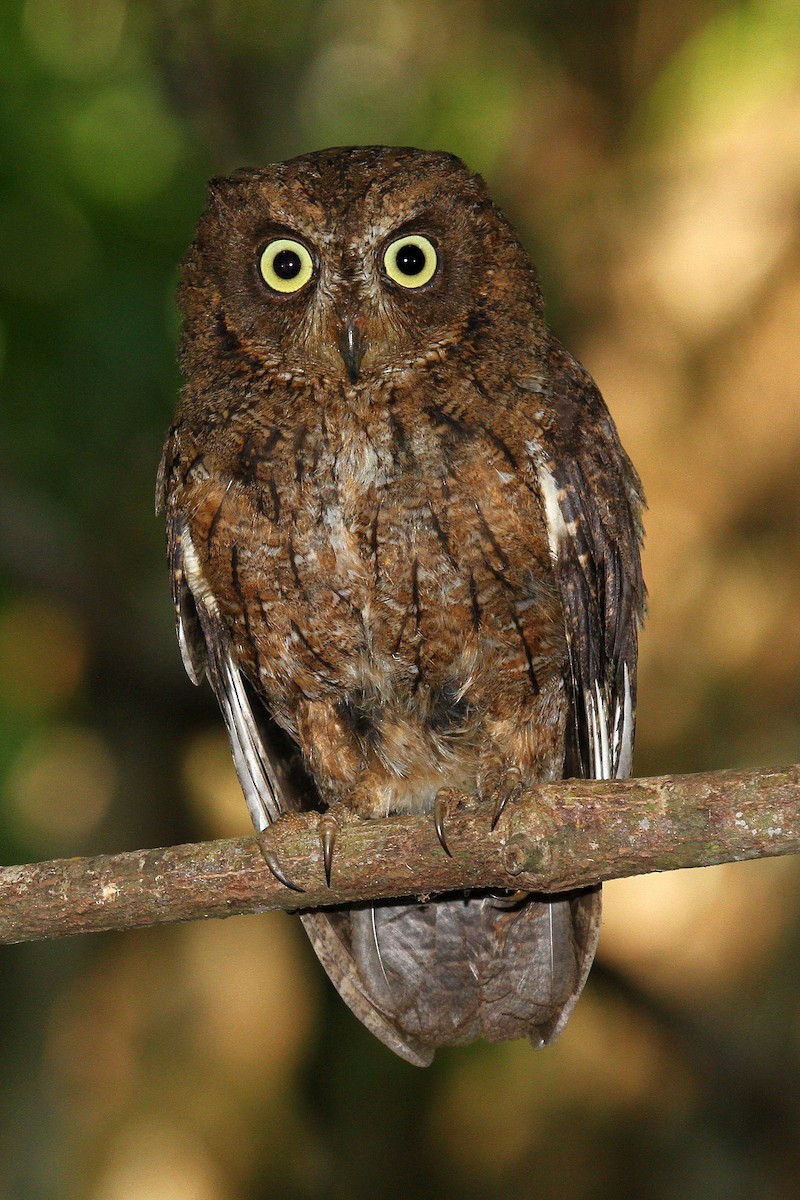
<point x="649" y="154"/>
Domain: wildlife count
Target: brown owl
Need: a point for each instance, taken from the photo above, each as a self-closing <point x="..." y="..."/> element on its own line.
<point x="404" y="541"/>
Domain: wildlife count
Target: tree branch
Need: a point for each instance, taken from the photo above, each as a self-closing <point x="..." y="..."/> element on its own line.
<point x="555" y="837"/>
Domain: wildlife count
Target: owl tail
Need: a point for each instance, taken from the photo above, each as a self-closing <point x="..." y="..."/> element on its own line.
<point x="458" y="969"/>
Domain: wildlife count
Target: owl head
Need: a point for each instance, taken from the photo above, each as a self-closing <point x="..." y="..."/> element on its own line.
<point x="355" y="263"/>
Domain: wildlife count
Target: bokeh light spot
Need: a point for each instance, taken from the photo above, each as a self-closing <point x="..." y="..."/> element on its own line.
<point x="42" y="654"/>
<point x="157" y="1159"/>
<point x="252" y="1000"/>
<point x="125" y="145"/>
<point x="212" y="787"/>
<point x="691" y="933"/>
<point x="73" y="38"/>
<point x="61" y="786"/>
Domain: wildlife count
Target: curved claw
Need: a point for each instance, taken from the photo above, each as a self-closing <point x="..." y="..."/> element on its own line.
<point x="439" y="812"/>
<point x="328" y="829"/>
<point x="508" y="787"/>
<point x="501" y="802"/>
<point x="271" y="859"/>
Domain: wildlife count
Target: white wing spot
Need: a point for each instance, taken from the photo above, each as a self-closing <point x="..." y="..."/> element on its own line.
<point x="610" y="743"/>
<point x="194" y="576"/>
<point x="624" y="756"/>
<point x="557" y="528"/>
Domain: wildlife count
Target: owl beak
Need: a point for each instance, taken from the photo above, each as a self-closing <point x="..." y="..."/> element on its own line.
<point x="352" y="346"/>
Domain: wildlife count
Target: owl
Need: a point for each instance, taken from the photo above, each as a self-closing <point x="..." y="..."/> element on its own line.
<point x="405" y="549"/>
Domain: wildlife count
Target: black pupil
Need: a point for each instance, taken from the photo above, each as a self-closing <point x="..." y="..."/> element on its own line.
<point x="410" y="259"/>
<point x="286" y="264"/>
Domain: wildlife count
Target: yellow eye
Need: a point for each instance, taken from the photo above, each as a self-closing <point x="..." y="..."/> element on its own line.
<point x="286" y="265"/>
<point x="411" y="261"/>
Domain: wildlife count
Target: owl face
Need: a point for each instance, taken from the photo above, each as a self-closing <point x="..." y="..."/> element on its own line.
<point x="351" y="264"/>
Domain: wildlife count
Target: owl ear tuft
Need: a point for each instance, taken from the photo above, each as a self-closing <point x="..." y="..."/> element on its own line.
<point x="225" y="190"/>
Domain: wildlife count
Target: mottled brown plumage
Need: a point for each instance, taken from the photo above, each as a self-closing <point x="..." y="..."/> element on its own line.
<point x="403" y="533"/>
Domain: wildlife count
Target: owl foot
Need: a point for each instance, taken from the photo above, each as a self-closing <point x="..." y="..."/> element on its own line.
<point x="328" y="828"/>
<point x="271" y="859"/>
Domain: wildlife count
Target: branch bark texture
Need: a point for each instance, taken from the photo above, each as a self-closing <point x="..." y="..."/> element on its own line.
<point x="555" y="837"/>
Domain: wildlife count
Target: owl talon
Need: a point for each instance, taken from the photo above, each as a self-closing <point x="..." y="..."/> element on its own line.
<point x="271" y="859"/>
<point x="508" y="786"/>
<point x="328" y="829"/>
<point x="500" y="804"/>
<point x="445" y="803"/>
<point x="439" y="812"/>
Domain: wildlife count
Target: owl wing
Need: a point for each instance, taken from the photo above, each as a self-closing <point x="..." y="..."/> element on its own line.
<point x="205" y="643"/>
<point x="593" y="502"/>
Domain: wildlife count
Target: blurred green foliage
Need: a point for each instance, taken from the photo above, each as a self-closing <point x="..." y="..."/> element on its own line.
<point x="649" y="154"/>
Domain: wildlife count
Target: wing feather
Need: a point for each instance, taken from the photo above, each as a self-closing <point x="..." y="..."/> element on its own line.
<point x="206" y="648"/>
<point x="593" y="501"/>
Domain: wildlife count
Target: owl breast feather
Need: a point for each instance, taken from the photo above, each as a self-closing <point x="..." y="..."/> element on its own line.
<point x="411" y="591"/>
